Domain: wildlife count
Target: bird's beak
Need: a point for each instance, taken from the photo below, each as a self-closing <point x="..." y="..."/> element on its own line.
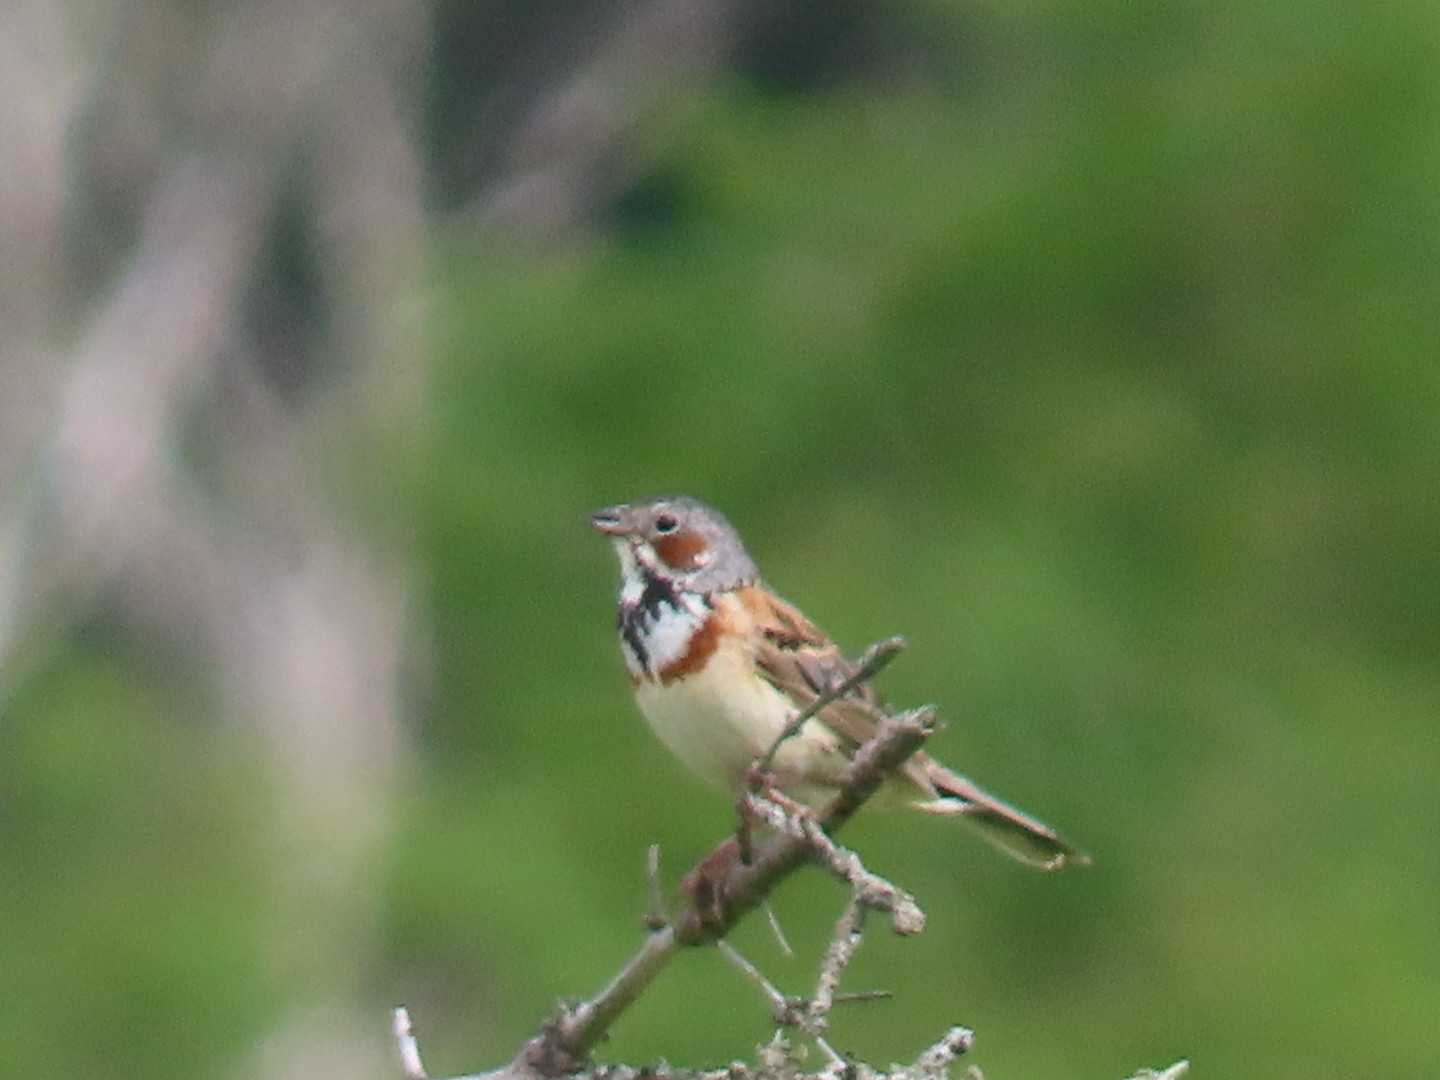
<point x="614" y="520"/>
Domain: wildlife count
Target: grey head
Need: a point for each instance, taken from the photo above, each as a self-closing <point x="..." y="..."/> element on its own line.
<point x="677" y="539"/>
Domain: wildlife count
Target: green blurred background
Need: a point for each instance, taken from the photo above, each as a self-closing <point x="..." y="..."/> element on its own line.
<point x="1093" y="347"/>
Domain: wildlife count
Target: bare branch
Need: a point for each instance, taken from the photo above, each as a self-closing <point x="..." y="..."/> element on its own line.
<point x="568" y="1040"/>
<point x="722" y="890"/>
<point x="724" y="887"/>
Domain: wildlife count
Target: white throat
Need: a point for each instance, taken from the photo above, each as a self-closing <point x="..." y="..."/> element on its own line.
<point x="657" y="618"/>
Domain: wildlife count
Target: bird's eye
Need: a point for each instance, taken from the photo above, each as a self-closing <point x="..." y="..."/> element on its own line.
<point x="666" y="523"/>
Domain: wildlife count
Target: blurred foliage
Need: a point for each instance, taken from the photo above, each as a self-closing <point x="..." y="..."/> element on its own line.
<point x="130" y="903"/>
<point x="1093" y="347"/>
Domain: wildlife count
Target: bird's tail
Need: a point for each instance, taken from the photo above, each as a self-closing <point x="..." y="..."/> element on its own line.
<point x="1016" y="833"/>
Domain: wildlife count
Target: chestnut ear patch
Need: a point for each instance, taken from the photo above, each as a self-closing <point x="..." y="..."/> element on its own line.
<point x="683" y="551"/>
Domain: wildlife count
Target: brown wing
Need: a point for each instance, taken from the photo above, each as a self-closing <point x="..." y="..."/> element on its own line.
<point x="797" y="658"/>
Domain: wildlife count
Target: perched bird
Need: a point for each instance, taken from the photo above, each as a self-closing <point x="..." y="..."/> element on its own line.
<point x="720" y="664"/>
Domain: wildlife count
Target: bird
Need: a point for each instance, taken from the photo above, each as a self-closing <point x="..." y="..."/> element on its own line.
<point x="720" y="664"/>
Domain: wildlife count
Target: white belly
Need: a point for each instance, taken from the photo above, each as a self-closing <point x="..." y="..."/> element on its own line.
<point x="721" y="718"/>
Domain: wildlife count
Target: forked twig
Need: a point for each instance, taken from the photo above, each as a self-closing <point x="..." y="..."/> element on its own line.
<point x="728" y="889"/>
<point x="742" y="887"/>
<point x="872" y="661"/>
<point x="869" y="890"/>
<point x="784" y="1009"/>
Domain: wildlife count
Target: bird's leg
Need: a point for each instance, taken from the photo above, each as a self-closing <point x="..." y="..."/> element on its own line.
<point x="755" y="780"/>
<point x="759" y="780"/>
<point x="758" y="783"/>
<point x="759" y="802"/>
<point x="760" y="799"/>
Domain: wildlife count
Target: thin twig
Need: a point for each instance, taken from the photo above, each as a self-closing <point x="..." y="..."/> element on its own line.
<point x="859" y="997"/>
<point x="783" y="1009"/>
<point x="843" y="943"/>
<point x="873" y="661"/>
<point x="656" y="917"/>
<point x="839" y="1064"/>
<point x="779" y="932"/>
<point x="811" y="1016"/>
<point x="578" y="1030"/>
<point x="408" y="1045"/>
<point x="870" y="890"/>
<point x="719" y="899"/>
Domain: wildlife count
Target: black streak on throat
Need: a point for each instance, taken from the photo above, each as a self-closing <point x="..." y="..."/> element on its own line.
<point x="636" y="620"/>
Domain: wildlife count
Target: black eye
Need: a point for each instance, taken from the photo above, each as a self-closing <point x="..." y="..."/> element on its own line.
<point x="666" y="523"/>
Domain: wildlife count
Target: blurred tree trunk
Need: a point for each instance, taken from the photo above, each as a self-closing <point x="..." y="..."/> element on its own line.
<point x="212" y="291"/>
<point x="171" y="173"/>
